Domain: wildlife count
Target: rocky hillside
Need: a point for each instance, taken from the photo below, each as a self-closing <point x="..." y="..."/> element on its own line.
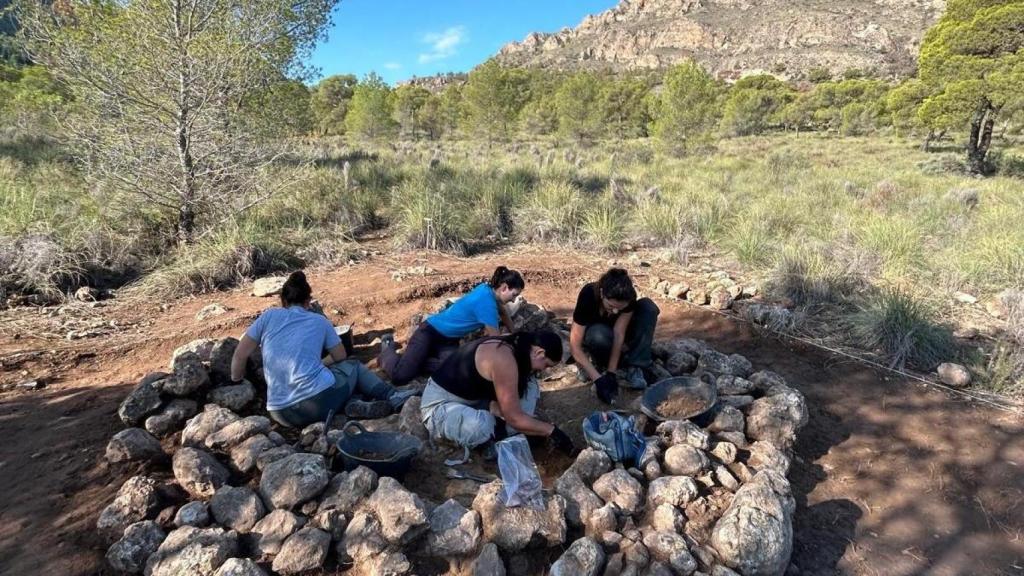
<point x="734" y="37"/>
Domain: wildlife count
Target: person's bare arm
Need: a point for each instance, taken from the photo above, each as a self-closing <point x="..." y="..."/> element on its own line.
<point x="336" y="354"/>
<point x="499" y="365"/>
<point x="619" y="330"/>
<point x="491" y="331"/>
<point x="576" y="333"/>
<point x="246" y="346"/>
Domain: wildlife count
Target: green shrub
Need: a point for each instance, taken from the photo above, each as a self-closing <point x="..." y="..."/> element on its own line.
<point x="604" y="228"/>
<point x="811" y="277"/>
<point x="553" y="212"/>
<point x="430" y="214"/>
<point x="897" y="241"/>
<point x="903" y="330"/>
<point x="657" y="223"/>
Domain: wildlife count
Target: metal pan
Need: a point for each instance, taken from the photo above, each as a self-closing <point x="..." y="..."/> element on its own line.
<point x="680" y="398"/>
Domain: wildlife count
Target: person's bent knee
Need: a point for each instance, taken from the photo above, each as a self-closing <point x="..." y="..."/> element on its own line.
<point x="646" y="307"/>
<point x="476" y="431"/>
<point x="599" y="336"/>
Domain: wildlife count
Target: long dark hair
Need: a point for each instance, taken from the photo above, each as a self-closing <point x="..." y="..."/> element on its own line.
<point x="510" y="278"/>
<point x="522" y="344"/>
<point x="615" y="284"/>
<point x="296" y="290"/>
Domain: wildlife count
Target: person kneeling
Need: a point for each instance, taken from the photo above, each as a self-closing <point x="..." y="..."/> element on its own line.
<point x="302" y="387"/>
<point x="486" y="390"/>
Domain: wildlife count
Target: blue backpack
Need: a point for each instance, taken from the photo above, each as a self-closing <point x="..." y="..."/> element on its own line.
<point x="615" y="434"/>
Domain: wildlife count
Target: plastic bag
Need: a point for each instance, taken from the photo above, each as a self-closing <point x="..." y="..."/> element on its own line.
<point x="519" y="473"/>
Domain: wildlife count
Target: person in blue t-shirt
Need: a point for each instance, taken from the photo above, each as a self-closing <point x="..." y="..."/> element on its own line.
<point x="304" y="385"/>
<point x="439" y="335"/>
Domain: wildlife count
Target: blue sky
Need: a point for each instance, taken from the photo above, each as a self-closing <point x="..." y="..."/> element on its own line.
<point x="402" y="38"/>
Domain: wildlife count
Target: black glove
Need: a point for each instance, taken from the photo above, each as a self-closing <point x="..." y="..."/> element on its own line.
<point x="607" y="386"/>
<point x="561" y="441"/>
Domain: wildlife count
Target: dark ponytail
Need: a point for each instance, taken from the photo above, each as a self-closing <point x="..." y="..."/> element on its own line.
<point x="522" y="348"/>
<point x="296" y="290"/>
<point x="510" y="278"/>
<point x="615" y="284"/>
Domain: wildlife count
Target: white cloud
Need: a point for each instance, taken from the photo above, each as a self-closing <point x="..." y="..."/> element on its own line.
<point x="392" y="65"/>
<point x="443" y="44"/>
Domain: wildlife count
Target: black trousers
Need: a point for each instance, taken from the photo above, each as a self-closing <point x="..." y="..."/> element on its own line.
<point x="598" y="339"/>
<point x="424" y="352"/>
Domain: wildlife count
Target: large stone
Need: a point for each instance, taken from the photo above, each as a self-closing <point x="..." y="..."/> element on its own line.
<point x="764" y="380"/>
<point x="674" y="490"/>
<point x="721" y="299"/>
<point x="363" y="538"/>
<point x="488" y="563"/>
<point x="454" y="530"/>
<point x="685" y="460"/>
<point x="232" y="396"/>
<point x="602" y="520"/>
<point x="201" y="348"/>
<point x="410" y="421"/>
<point x="674" y="432"/>
<point x="333" y="522"/>
<point x="240" y="567"/>
<point x="190" y="551"/>
<point x="235" y="432"/>
<point x="755" y="535"/>
<point x="189" y="376"/>
<point x="580" y="501"/>
<point x="729" y="385"/>
<point x="621" y="489"/>
<point x="347" y="489"/>
<point x="716" y="363"/>
<point x="294" y="479"/>
<point x="171" y="417"/>
<point x="244" y="455"/>
<point x="402" y="514"/>
<point x="680" y="363"/>
<point x="725" y="452"/>
<point x="237" y="508"/>
<point x="268" y="457"/>
<point x="220" y="360"/>
<point x="585" y="557"/>
<point x="671" y="549"/>
<point x="725" y="418"/>
<point x="139" y="542"/>
<point x="198" y="472"/>
<point x="195" y="513"/>
<point x="767" y="456"/>
<point x="591" y="464"/>
<point x="302" y="551"/>
<point x="142" y="401"/>
<point x="777" y="417"/>
<point x="269" y="286"/>
<point x="512" y="529"/>
<point x="210" y="420"/>
<point x="133" y="445"/>
<point x="667" y="518"/>
<point x="136" y="500"/>
<point x="269" y="534"/>
<point x="954" y="375"/>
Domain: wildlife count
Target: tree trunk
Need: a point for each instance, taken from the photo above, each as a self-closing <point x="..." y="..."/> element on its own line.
<point x="926" y="146"/>
<point x="979" y="139"/>
<point x="186" y="164"/>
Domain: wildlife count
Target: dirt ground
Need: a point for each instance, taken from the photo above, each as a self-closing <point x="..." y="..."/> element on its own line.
<point x="891" y="478"/>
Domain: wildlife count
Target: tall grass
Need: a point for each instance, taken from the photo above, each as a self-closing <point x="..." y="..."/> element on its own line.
<point x="903" y="329"/>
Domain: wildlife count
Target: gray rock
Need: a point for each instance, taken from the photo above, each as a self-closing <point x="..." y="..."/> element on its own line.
<point x="269" y="286"/>
<point x="277" y="439"/>
<point x="363" y="538"/>
<point x="142" y="401"/>
<point x="136" y="500"/>
<point x="348" y="489"/>
<point x="740" y="366"/>
<point x="591" y="464"/>
<point x="954" y="375"/>
<point x="685" y="460"/>
<point x="410" y="421"/>
<point x="725" y="452"/>
<point x="667" y="518"/>
<point x="139" y="542"/>
<point x="739" y="402"/>
<point x="210" y="420"/>
<point x="674" y="490"/>
<point x="269" y="456"/>
<point x="190" y="551"/>
<point x="755" y="535"/>
<point x="293" y="480"/>
<point x="171" y="417"/>
<point x="488" y="563"/>
<point x="777" y="417"/>
<point x="621" y="489"/>
<point x="765" y="380"/>
<point x="198" y="472"/>
<point x="633" y="549"/>
<point x="726" y="419"/>
<point x="211" y="310"/>
<point x="333" y="522"/>
<point x="671" y="549"/>
<point x="220" y="360"/>
<point x="614" y="565"/>
<point x="387" y="563"/>
<point x="189" y="376"/>
<point x="195" y="513"/>
<point x="513" y="528"/>
<point x="402" y="514"/>
<point x="716" y="363"/>
<point x="729" y="385"/>
<point x="269" y="534"/>
<point x="580" y="501"/>
<point x="240" y="567"/>
<point x="658" y="569"/>
<point x="237" y="508"/>
<point x="720" y="299"/>
<point x="302" y="551"/>
<point x="244" y="455"/>
<point x="233" y="396"/>
<point x="454" y="530"/>
<point x="604" y="519"/>
<point x="201" y="348"/>
<point x="723" y="571"/>
<point x="767" y="456"/>
<point x="133" y="445"/>
<point x="680" y="363"/>
<point x="737" y="438"/>
<point x="585" y="557"/>
<point x="235" y="432"/>
<point x="725" y="479"/>
<point x="674" y="432"/>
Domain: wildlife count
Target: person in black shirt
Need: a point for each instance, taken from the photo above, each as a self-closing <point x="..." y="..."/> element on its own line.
<point x="613" y="331"/>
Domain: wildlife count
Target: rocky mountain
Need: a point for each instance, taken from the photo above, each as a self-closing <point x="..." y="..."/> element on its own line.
<point x="737" y="37"/>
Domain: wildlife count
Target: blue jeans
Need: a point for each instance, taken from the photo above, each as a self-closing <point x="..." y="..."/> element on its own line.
<point x="349" y="376"/>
